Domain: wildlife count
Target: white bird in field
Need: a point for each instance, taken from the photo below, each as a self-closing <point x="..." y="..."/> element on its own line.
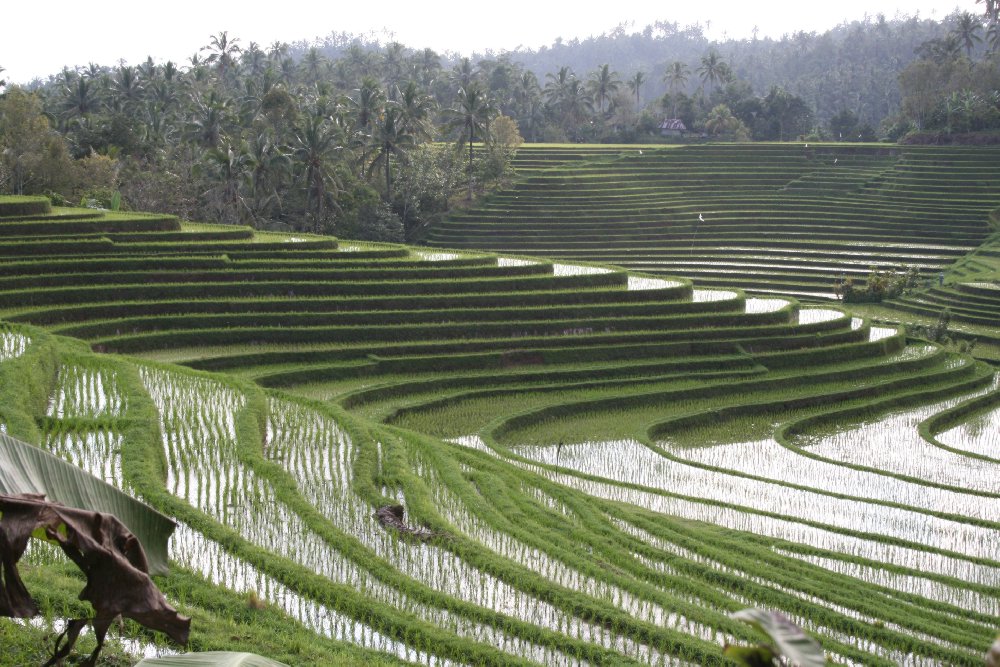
<point x="835" y="160"/>
<point x="700" y="219"/>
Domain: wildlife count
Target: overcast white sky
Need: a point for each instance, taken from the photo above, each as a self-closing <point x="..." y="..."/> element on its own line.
<point x="40" y="38"/>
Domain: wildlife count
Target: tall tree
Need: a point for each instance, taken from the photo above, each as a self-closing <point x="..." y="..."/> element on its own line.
<point x="713" y="69"/>
<point x="676" y="76"/>
<point x="208" y="120"/>
<point x="390" y="138"/>
<point x="463" y="74"/>
<point x="126" y="88"/>
<point x="80" y="99"/>
<point x="222" y="52"/>
<point x="967" y="29"/>
<point x="603" y="85"/>
<point x="227" y="165"/>
<point x="555" y="88"/>
<point x="635" y="85"/>
<point x="312" y="64"/>
<point x="318" y="143"/>
<point x="415" y="111"/>
<point x="576" y="106"/>
<point x="268" y="167"/>
<point x="366" y="102"/>
<point x="471" y="115"/>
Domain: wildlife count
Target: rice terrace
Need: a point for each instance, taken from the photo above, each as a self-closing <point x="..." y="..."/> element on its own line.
<point x="645" y="413"/>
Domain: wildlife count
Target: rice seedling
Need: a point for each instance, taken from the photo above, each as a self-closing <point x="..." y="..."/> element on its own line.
<point x="894" y="444"/>
<point x="577" y="270"/>
<point x="980" y="434"/>
<point x="87" y="392"/>
<point x="708" y="295"/>
<point x="317" y="452"/>
<point x="12" y="344"/>
<point x="807" y="531"/>
<point x="759" y="305"/>
<point x="98" y="452"/>
<point x="923" y="586"/>
<point x="647" y="468"/>
<point x="636" y="283"/>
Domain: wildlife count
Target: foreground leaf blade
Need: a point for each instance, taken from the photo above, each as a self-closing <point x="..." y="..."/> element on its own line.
<point x="212" y="659"/>
<point x="790" y="640"/>
<point x="28" y="469"/>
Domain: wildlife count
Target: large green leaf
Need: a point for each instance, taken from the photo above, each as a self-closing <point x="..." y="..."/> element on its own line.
<point x="212" y="659"/>
<point x="791" y="642"/>
<point x="27" y="469"/>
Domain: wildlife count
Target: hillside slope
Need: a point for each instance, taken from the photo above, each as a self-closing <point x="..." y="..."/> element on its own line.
<point x="594" y="466"/>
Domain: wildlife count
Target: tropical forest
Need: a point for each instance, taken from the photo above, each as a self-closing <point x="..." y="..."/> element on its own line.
<point x="648" y="348"/>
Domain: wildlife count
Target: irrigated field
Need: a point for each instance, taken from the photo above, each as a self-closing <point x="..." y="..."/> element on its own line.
<point x="600" y="466"/>
<point x="786" y="218"/>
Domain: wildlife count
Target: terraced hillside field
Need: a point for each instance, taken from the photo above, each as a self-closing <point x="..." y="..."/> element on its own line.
<point x="595" y="466"/>
<point x="781" y="218"/>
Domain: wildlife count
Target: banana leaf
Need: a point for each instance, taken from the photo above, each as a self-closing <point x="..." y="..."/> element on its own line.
<point x="212" y="659"/>
<point x="28" y="469"/>
<point x="791" y="641"/>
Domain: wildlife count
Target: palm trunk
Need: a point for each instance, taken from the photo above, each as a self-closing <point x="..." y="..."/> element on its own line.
<point x="388" y="180"/>
<point x="471" y="136"/>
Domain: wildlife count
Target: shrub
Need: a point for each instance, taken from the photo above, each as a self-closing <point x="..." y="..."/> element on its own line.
<point x="877" y="286"/>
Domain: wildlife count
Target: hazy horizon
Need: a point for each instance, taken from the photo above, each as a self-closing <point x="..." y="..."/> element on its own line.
<point x="85" y="34"/>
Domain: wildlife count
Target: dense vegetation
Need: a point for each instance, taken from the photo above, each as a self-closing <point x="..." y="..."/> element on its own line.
<point x="336" y="136"/>
<point x="599" y="466"/>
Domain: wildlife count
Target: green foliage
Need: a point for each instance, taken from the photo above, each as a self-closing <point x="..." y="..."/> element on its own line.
<point x="878" y="285"/>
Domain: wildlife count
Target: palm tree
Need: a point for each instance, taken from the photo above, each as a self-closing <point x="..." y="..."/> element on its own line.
<point x="992" y="10"/>
<point x="635" y="83"/>
<point x="389" y="138"/>
<point x="148" y="70"/>
<point x="169" y="70"/>
<point x="676" y="76"/>
<point x="93" y="70"/>
<point x="967" y="29"/>
<point x="206" y="127"/>
<point x="392" y="64"/>
<point x="993" y="37"/>
<point x="526" y="90"/>
<point x="254" y="59"/>
<point x="713" y="69"/>
<point x="576" y="105"/>
<point x="463" y="73"/>
<point x="604" y="84"/>
<point x="223" y="52"/>
<point x="415" y="111"/>
<point x="312" y="62"/>
<point x="267" y="165"/>
<point x="428" y="65"/>
<point x="227" y="166"/>
<point x="80" y="99"/>
<point x="317" y="144"/>
<point x="471" y="114"/>
<point x="366" y="103"/>
<point x="555" y="89"/>
<point x="126" y="88"/>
